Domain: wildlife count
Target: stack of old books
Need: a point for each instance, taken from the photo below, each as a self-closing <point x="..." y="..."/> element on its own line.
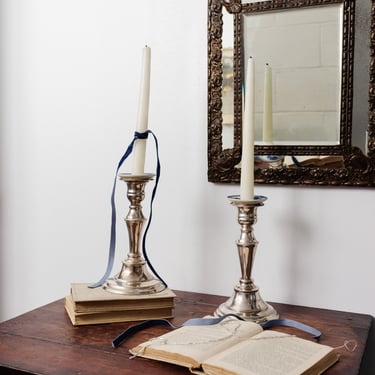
<point x="85" y="305"/>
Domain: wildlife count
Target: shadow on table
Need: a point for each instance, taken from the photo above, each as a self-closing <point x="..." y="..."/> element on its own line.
<point x="368" y="362"/>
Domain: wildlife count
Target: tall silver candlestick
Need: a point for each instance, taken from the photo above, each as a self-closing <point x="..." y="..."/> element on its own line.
<point x="246" y="300"/>
<point x="134" y="277"/>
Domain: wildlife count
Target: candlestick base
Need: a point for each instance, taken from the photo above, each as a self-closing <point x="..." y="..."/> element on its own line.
<point x="134" y="278"/>
<point x="249" y="305"/>
<point x="246" y="300"/>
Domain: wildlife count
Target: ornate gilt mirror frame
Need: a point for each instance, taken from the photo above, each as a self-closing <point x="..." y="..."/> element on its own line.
<point x="356" y="169"/>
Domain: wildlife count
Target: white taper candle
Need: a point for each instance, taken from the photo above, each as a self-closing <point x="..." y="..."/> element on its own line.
<point x="267" y="107"/>
<point x="247" y="160"/>
<point x="139" y="151"/>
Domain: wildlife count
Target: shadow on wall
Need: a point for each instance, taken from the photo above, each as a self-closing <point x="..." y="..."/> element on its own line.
<point x="2" y="96"/>
<point x="2" y="271"/>
<point x="2" y="221"/>
<point x="298" y="232"/>
<point x="2" y="234"/>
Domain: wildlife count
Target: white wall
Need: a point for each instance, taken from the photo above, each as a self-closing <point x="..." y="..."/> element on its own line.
<point x="69" y="90"/>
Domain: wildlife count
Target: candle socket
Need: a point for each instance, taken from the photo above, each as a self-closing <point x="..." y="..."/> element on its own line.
<point x="246" y="300"/>
<point x="271" y="161"/>
<point x="134" y="278"/>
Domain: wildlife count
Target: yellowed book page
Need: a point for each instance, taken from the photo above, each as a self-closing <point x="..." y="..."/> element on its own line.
<point x="269" y="353"/>
<point x="69" y="308"/>
<point x="122" y="316"/>
<point x="189" y="346"/>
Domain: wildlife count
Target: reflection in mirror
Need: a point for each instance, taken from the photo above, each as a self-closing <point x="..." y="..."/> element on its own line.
<point x="361" y="74"/>
<point x="327" y="156"/>
<point x="319" y="161"/>
<point x="302" y="48"/>
<point x="228" y="81"/>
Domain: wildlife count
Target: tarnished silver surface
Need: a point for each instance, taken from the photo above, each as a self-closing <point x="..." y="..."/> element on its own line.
<point x="246" y="300"/>
<point x="134" y="277"/>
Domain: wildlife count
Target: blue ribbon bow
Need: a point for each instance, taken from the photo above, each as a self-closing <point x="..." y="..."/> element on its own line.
<point x="112" y="244"/>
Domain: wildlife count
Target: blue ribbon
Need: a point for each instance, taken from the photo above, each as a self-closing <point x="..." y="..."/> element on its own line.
<point x="210" y="321"/>
<point x="296" y="161"/>
<point x="112" y="244"/>
<point x="292" y="323"/>
<point x="164" y="322"/>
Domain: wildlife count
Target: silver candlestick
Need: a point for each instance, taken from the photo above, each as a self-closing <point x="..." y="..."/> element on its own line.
<point x="246" y="300"/>
<point x="134" y="278"/>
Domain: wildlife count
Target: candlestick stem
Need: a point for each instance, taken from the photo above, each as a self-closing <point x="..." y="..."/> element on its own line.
<point x="134" y="277"/>
<point x="246" y="300"/>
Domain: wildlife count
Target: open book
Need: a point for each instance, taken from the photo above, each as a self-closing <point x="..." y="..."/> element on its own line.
<point x="235" y="347"/>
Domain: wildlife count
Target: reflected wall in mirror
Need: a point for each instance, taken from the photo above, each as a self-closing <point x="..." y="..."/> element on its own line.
<point x="317" y="90"/>
<point x="301" y="51"/>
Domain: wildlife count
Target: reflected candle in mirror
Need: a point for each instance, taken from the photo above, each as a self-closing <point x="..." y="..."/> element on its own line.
<point x="267" y="107"/>
<point x="139" y="151"/>
<point x="247" y="160"/>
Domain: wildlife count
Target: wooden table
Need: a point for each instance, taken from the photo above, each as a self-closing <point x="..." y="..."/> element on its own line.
<point x="43" y="341"/>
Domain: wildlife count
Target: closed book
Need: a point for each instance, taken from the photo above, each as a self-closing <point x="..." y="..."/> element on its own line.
<point x="89" y="300"/>
<point x="114" y="316"/>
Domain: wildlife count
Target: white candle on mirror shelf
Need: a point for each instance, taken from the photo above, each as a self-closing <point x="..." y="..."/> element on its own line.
<point x="267" y="107"/>
<point x="139" y="151"/>
<point x="247" y="160"/>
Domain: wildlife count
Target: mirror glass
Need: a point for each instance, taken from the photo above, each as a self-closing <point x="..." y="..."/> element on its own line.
<point x="302" y="50"/>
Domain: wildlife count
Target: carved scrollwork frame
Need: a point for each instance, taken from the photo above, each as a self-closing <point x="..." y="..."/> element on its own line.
<point x="357" y="170"/>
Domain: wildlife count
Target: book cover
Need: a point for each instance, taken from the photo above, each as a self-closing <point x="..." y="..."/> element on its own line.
<point x="90" y="300"/>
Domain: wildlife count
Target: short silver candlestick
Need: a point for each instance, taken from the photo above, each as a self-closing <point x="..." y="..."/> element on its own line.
<point x="246" y="300"/>
<point x="134" y="277"/>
